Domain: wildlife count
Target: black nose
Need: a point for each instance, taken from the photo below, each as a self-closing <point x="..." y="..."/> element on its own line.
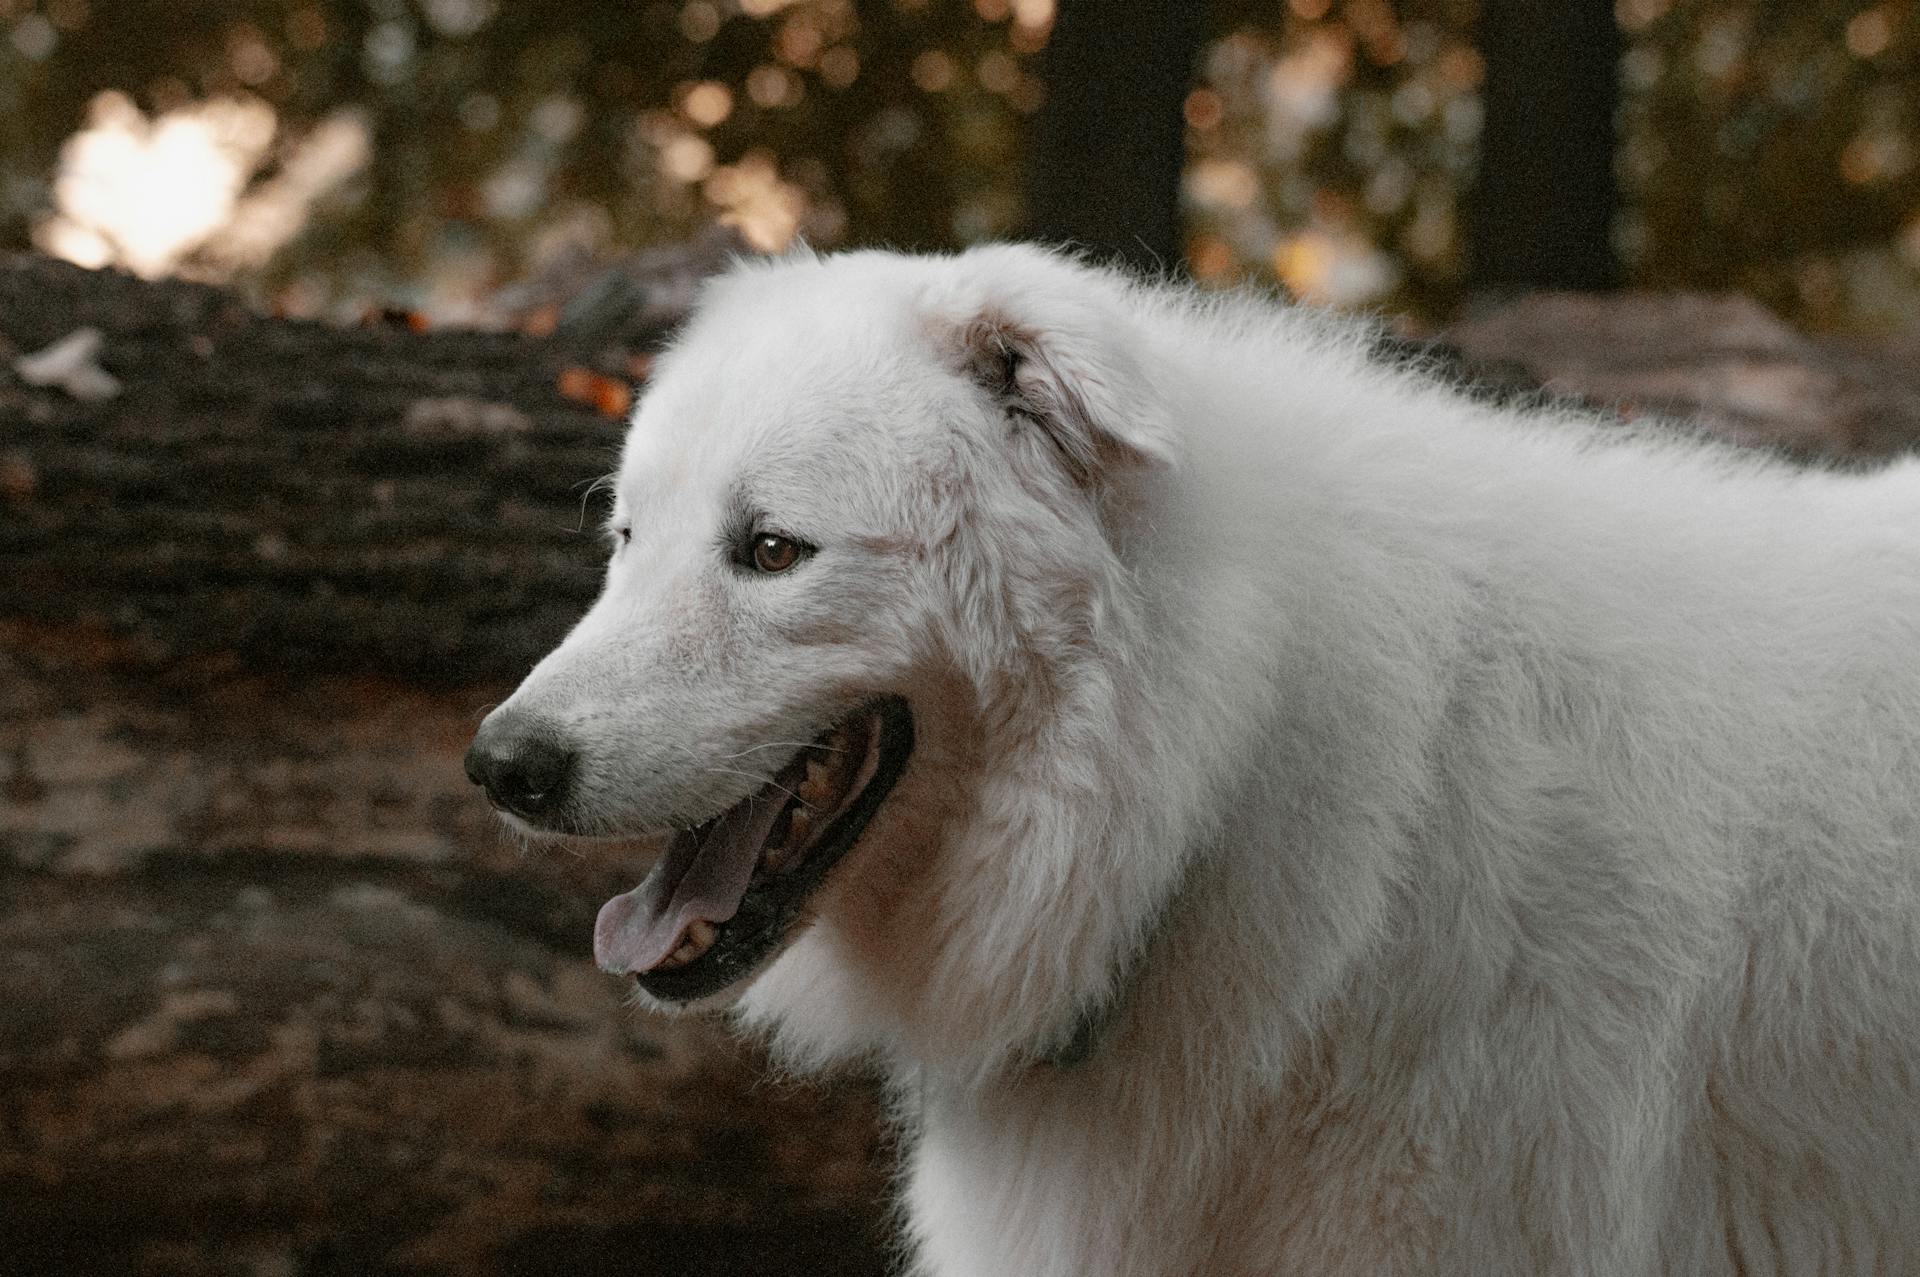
<point x="522" y="763"/>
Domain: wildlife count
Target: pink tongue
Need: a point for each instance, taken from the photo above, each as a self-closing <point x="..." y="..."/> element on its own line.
<point x="636" y="930"/>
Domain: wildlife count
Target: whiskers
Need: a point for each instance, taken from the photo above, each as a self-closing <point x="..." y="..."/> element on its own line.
<point x="522" y="841"/>
<point x="603" y="484"/>
<point x="581" y="842"/>
<point x="760" y="780"/>
<point x="787" y="744"/>
<point x="527" y="842"/>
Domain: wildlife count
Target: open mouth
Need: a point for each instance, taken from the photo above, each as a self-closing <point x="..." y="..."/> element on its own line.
<point x="727" y="891"/>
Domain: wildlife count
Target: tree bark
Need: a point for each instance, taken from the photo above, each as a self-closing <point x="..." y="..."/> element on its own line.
<point x="319" y="498"/>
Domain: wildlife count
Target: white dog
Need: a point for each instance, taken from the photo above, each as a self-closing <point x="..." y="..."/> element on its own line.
<point x="1266" y="811"/>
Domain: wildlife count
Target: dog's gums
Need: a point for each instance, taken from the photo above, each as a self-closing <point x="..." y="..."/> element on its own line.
<point x="729" y="891"/>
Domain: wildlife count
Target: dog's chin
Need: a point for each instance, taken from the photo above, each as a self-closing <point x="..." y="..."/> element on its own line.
<point x="730" y="894"/>
<point x="525" y="831"/>
<point x="720" y="1001"/>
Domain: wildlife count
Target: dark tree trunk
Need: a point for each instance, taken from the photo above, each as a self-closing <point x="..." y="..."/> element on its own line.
<point x="1106" y="165"/>
<point x="1540" y="214"/>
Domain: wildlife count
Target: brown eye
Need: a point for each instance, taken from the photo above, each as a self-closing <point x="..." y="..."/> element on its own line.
<point x="774" y="553"/>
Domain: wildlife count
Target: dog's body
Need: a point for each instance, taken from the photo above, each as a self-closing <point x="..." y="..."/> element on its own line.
<point x="1350" y="829"/>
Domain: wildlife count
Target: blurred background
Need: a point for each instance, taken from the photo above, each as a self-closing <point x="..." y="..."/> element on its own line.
<point x="424" y="153"/>
<point x="319" y="319"/>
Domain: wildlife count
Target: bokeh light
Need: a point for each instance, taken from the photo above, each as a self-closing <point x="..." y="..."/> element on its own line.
<point x="430" y="151"/>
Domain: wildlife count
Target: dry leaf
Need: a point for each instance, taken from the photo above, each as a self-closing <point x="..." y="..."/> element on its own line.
<point x="605" y="395"/>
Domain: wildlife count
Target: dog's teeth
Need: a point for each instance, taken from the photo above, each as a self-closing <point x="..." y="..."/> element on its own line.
<point x="697" y="940"/>
<point x="815" y="784"/>
<point x="799" y="824"/>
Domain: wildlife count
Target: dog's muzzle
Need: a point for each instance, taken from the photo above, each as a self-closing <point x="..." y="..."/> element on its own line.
<point x="523" y="764"/>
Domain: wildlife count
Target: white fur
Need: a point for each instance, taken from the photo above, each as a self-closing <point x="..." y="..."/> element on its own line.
<point x="1469" y="840"/>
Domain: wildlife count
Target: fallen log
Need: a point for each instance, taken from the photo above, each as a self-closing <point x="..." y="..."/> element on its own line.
<point x="276" y="995"/>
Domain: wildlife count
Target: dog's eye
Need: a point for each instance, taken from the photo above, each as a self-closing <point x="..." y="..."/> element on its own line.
<point x="775" y="553"/>
<point x="626" y="535"/>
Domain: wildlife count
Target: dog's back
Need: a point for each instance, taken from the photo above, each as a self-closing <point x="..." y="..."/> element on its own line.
<point x="1569" y="919"/>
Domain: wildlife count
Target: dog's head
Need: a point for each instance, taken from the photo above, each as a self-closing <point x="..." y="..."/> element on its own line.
<point x="861" y="656"/>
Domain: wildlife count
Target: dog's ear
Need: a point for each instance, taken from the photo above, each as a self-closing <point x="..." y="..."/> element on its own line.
<point x="1054" y="343"/>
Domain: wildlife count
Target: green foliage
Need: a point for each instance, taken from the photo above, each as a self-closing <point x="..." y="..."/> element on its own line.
<point x="503" y="131"/>
<point x="1771" y="146"/>
<point x="1768" y="146"/>
<point x="1774" y="148"/>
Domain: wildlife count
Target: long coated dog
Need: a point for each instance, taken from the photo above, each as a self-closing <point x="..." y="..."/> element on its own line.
<point x="1266" y="810"/>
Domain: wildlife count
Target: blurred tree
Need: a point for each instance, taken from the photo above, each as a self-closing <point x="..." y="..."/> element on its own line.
<point x="1329" y="144"/>
<point x="1106" y="164"/>
<point x="1775" y="149"/>
<point x="502" y="134"/>
<point x="1330" y="141"/>
<point x="1541" y="208"/>
<point x="1768" y="147"/>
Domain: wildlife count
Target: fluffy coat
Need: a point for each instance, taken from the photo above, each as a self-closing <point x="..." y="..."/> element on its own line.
<point x="1355" y="829"/>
